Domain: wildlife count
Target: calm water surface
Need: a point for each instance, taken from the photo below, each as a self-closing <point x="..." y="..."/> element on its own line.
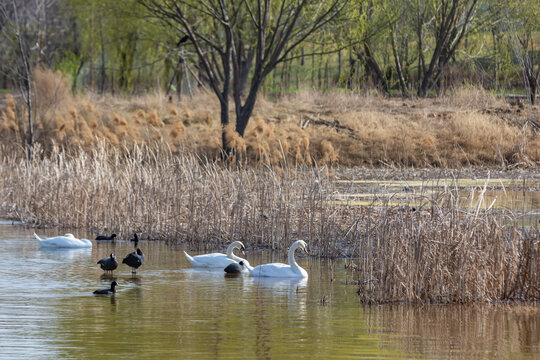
<point x="517" y="196"/>
<point x="47" y="311"/>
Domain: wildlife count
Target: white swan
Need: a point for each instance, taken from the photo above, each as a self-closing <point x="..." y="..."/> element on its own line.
<point x="218" y="260"/>
<point x="63" y="241"/>
<point x="279" y="269"/>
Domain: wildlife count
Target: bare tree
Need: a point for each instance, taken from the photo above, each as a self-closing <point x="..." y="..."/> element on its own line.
<point x="21" y="28"/>
<point x="524" y="16"/>
<point x="530" y="74"/>
<point x="235" y="38"/>
<point x="450" y="22"/>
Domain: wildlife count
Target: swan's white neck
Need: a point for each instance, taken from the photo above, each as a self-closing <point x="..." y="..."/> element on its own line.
<point x="230" y="249"/>
<point x="292" y="260"/>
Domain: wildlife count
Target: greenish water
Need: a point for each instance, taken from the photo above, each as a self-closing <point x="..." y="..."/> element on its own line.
<point x="170" y="311"/>
<point x="519" y="199"/>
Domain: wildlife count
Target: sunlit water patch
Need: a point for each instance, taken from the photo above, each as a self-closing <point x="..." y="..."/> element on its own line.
<point x="518" y="197"/>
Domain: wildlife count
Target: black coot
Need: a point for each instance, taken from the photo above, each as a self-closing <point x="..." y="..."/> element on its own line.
<point x="234" y="268"/>
<point x="134" y="260"/>
<point x="103" y="237"/>
<point x="112" y="290"/>
<point x="108" y="263"/>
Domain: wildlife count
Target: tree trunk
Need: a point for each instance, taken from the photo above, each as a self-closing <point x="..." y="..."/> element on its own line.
<point x="245" y="66"/>
<point x="76" y="76"/>
<point x="312" y="71"/>
<point x="243" y="112"/>
<point x="102" y="68"/>
<point x="374" y="69"/>
<point x="532" y="88"/>
<point x="399" y="70"/>
<point x="127" y="55"/>
<point x="26" y="88"/>
<point x="319" y="74"/>
<point x="4" y="81"/>
<point x="243" y="118"/>
<point x="326" y="81"/>
<point x="426" y="82"/>
<point x="224" y="112"/>
<point x="339" y="68"/>
<point x="30" y="132"/>
<point x="282" y="78"/>
<point x="179" y="79"/>
<point x="352" y="71"/>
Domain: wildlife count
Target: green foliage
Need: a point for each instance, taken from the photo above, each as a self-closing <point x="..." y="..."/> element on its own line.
<point x="119" y="42"/>
<point x="120" y="35"/>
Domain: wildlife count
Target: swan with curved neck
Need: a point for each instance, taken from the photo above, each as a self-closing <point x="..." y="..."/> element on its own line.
<point x="63" y="241"/>
<point x="218" y="260"/>
<point x="280" y="269"/>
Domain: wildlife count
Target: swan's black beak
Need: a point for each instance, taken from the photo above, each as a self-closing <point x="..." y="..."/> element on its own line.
<point x="243" y="251"/>
<point x="306" y="250"/>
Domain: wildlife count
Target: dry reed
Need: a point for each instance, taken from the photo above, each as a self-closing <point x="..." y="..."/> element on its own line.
<point x="440" y="253"/>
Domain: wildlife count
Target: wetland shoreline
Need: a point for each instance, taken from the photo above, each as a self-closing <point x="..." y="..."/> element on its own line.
<point x="427" y="248"/>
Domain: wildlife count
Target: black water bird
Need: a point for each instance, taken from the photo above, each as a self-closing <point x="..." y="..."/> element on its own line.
<point x="134" y="260"/>
<point x="110" y="291"/>
<point x="234" y="268"/>
<point x="108" y="263"/>
<point x="103" y="237"/>
<point x="135" y="239"/>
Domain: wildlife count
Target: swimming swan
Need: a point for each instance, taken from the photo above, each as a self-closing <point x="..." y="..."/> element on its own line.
<point x="218" y="260"/>
<point x="63" y="241"/>
<point x="135" y="239"/>
<point x="279" y="269"/>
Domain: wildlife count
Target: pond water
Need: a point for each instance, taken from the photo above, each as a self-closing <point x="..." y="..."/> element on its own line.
<point x="168" y="310"/>
<point x="516" y="196"/>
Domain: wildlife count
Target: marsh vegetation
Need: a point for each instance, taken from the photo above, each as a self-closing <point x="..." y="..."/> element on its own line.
<point x="437" y="252"/>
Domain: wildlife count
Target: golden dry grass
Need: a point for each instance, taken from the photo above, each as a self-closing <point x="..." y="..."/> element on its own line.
<point x="466" y="128"/>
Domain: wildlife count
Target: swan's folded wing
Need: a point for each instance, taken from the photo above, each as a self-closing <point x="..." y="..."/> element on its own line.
<point x="273" y="270"/>
<point x="214" y="260"/>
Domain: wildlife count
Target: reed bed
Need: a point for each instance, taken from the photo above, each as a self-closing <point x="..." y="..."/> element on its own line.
<point x="447" y="255"/>
<point x="168" y="198"/>
<point x="438" y="253"/>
